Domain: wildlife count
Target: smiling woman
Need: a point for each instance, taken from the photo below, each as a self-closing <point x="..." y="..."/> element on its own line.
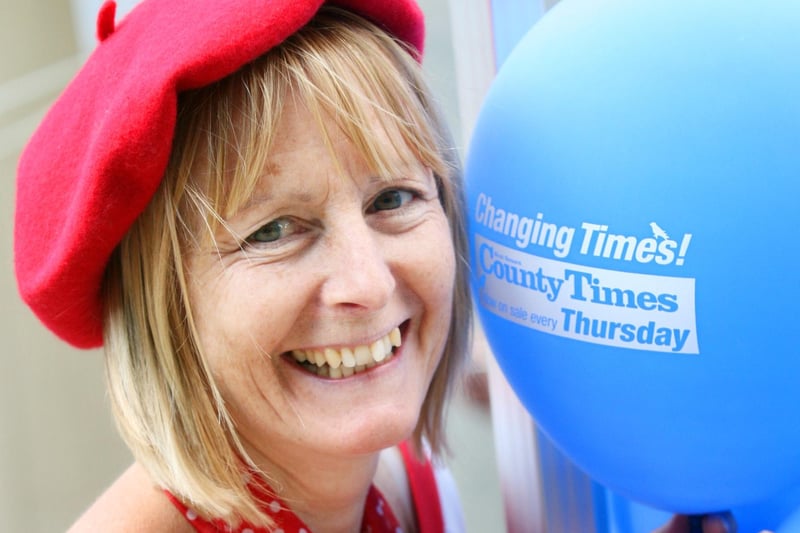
<point x="288" y="284"/>
<point x="343" y="281"/>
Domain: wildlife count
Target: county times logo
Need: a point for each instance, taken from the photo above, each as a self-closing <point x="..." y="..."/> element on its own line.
<point x="659" y="248"/>
<point x="593" y="239"/>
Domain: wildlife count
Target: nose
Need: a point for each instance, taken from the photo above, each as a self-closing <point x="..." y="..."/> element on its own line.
<point x="358" y="274"/>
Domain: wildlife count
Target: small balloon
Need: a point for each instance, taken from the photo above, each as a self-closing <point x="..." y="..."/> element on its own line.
<point x="768" y="515"/>
<point x="632" y="188"/>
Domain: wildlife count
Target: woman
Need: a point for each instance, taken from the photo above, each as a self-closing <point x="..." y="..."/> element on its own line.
<point x="257" y="212"/>
<point x="292" y="299"/>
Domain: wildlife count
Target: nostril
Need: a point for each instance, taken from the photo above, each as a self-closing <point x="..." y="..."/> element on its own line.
<point x="359" y="286"/>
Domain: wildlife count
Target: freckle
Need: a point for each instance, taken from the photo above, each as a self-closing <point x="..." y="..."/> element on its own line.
<point x="272" y="169"/>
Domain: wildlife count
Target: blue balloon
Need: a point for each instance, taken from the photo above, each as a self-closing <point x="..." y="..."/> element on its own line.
<point x="791" y="525"/>
<point x="633" y="185"/>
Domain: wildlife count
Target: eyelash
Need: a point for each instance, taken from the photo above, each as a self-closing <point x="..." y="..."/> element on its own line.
<point x="282" y="224"/>
<point x="409" y="194"/>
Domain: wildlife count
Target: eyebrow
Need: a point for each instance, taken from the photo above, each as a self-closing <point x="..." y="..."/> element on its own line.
<point x="300" y="196"/>
<point x="305" y="195"/>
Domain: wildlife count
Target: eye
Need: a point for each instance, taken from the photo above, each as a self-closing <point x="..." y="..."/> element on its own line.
<point x="275" y="230"/>
<point x="391" y="199"/>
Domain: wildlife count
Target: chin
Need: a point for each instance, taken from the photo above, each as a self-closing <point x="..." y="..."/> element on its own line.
<point x="393" y="428"/>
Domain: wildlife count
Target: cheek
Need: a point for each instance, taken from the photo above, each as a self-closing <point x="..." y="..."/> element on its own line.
<point x="437" y="273"/>
<point x="443" y="263"/>
<point x="240" y="336"/>
<point x="242" y="314"/>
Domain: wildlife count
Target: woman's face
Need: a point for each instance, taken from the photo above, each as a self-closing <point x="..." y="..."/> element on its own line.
<point x="301" y="315"/>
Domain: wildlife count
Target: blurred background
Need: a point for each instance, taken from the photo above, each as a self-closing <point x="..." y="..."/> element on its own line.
<point x="58" y="445"/>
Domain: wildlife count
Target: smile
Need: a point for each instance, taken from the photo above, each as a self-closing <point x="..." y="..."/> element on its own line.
<point x="336" y="363"/>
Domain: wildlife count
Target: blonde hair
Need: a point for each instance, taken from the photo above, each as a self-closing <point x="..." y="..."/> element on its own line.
<point x="164" y="397"/>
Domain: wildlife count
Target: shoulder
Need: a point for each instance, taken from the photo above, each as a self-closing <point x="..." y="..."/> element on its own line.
<point x="132" y="503"/>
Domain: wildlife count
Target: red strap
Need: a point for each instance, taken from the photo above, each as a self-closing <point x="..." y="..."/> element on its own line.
<point x="424" y="491"/>
<point x="378" y="517"/>
<point x="199" y="525"/>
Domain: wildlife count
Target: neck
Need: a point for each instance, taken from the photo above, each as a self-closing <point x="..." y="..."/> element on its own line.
<point x="326" y="492"/>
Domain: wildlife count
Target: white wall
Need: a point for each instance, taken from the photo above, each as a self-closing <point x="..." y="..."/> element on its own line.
<point x="57" y="443"/>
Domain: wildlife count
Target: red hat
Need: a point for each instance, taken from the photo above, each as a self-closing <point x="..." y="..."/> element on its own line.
<point x="96" y="160"/>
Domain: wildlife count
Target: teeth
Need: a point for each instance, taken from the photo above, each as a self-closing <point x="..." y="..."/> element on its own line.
<point x="363" y="355"/>
<point x="344" y="362"/>
<point x="348" y="358"/>
<point x="394" y="337"/>
<point x="378" y="351"/>
<point x="333" y="358"/>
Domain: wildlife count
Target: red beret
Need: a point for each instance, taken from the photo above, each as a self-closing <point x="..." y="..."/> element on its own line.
<point x="100" y="153"/>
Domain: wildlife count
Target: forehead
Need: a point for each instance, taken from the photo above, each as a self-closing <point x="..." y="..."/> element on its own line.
<point x="307" y="148"/>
